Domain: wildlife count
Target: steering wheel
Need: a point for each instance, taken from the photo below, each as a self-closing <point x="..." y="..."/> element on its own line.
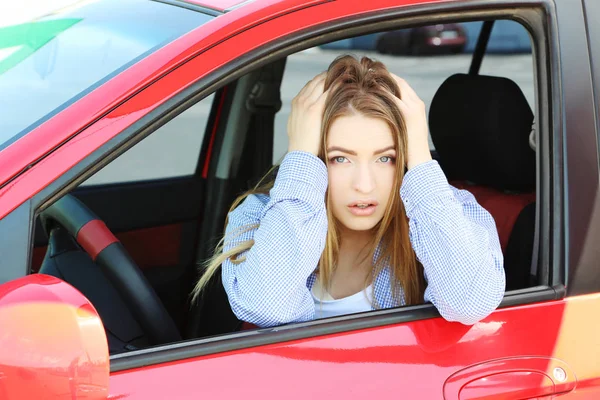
<point x="104" y="248"/>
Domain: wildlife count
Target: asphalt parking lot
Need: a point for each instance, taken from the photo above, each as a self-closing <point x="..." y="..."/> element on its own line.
<point x="172" y="150"/>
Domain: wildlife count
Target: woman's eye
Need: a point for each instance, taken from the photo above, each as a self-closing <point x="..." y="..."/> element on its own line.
<point x="338" y="160"/>
<point x="386" y="159"/>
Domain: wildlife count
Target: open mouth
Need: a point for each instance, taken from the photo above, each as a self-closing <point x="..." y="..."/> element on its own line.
<point x="363" y="208"/>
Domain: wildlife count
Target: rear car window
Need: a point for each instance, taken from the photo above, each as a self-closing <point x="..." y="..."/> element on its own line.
<point x="48" y="63"/>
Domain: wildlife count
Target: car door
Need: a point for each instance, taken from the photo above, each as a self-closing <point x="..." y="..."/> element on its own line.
<point x="523" y="350"/>
<point x="532" y="347"/>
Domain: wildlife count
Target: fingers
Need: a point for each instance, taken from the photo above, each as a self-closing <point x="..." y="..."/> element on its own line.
<point x="304" y="121"/>
<point x="402" y="106"/>
<point x="316" y="83"/>
<point x="406" y="111"/>
<point x="320" y="101"/>
<point x="405" y="89"/>
<point x="317" y="90"/>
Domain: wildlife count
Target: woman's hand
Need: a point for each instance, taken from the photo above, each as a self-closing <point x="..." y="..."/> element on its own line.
<point x="304" y="122"/>
<point x="415" y="118"/>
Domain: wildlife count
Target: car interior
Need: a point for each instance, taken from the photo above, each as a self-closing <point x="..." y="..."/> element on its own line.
<point x="482" y="130"/>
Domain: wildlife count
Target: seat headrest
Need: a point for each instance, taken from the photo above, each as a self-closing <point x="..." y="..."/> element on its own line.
<point x="480" y="127"/>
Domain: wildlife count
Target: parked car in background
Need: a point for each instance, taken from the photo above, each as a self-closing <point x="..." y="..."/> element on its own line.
<point x="431" y="39"/>
<point x="507" y="37"/>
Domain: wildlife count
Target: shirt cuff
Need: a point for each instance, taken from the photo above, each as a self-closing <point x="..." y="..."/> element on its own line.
<point x="422" y="182"/>
<point x="301" y="166"/>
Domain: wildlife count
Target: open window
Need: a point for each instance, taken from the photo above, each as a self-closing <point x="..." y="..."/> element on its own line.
<point x="481" y="121"/>
<point x="481" y="104"/>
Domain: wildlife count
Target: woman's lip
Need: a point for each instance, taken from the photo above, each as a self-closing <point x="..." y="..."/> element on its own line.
<point x="362" y="212"/>
<point x="368" y="201"/>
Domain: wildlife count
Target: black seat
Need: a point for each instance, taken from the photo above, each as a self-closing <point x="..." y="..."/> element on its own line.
<point x="480" y="127"/>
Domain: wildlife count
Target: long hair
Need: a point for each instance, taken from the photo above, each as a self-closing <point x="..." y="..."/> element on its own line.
<point x="357" y="87"/>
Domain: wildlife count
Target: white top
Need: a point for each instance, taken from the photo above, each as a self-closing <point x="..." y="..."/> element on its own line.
<point x="326" y="306"/>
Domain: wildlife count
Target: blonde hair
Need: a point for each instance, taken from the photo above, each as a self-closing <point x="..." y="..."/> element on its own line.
<point x="357" y="87"/>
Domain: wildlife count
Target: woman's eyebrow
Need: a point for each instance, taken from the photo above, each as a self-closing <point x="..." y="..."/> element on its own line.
<point x="337" y="148"/>
<point x="392" y="147"/>
<point x="352" y="152"/>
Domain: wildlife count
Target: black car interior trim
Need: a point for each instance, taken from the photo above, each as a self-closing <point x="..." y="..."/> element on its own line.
<point x="15" y="248"/>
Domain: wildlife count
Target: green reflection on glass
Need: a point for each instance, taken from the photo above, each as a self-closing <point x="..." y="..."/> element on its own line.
<point x="29" y="37"/>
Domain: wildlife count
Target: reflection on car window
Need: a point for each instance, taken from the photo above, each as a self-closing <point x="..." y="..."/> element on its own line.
<point x="50" y="62"/>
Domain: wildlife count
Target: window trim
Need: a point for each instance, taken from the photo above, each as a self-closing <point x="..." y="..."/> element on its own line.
<point x="17" y="247"/>
<point x="532" y="14"/>
<point x="584" y="219"/>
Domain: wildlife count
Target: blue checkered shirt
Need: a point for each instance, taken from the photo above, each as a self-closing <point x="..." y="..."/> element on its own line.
<point x="453" y="237"/>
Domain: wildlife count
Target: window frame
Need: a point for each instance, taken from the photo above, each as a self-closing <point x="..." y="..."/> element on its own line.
<point x="17" y="246"/>
<point x="537" y="16"/>
<point x="583" y="273"/>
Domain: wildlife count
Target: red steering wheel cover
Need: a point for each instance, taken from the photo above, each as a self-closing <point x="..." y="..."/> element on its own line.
<point x="94" y="237"/>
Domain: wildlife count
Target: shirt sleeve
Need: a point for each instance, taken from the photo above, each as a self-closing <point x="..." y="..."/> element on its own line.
<point x="457" y="242"/>
<point x="269" y="287"/>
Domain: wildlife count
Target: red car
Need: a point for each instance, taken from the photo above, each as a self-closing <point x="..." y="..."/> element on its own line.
<point x="101" y="236"/>
<point x="431" y="39"/>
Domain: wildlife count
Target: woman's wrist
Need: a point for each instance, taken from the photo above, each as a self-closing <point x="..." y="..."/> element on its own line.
<point x="422" y="185"/>
<point x="418" y="156"/>
<point x="304" y="167"/>
<point x="304" y="147"/>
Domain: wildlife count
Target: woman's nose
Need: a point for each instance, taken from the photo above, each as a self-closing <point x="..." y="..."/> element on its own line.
<point x="364" y="181"/>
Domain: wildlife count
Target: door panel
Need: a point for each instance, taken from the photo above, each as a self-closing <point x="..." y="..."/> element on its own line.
<point x="154" y="220"/>
<point x="522" y="377"/>
<point x="158" y="246"/>
<point x="157" y="222"/>
<point x="412" y="360"/>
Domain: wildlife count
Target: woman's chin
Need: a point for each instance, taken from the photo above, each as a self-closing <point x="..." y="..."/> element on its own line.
<point x="360" y="223"/>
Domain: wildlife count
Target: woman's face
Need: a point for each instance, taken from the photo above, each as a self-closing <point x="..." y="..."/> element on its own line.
<point x="362" y="158"/>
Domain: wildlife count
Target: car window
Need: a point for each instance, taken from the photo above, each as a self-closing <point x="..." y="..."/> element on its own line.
<point x="50" y="62"/>
<point x="171" y="151"/>
<point x="508" y="55"/>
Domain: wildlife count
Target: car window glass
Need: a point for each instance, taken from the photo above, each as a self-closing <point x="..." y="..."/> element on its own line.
<point x="170" y="151"/>
<point x="424" y="67"/>
<point x="49" y="62"/>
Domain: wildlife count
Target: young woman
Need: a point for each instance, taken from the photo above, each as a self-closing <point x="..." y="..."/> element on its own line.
<point x="359" y="216"/>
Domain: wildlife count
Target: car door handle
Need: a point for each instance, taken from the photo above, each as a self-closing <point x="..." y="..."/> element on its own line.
<point x="511" y="378"/>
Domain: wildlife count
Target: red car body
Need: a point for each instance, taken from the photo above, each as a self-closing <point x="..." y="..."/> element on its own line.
<point x="543" y="341"/>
